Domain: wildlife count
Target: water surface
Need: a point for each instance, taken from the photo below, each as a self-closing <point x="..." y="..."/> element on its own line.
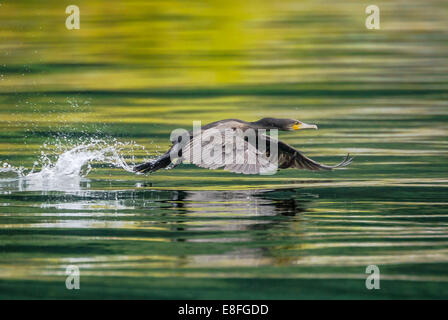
<point x="78" y="108"/>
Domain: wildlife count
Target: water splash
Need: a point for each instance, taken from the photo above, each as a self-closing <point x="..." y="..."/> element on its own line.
<point x="7" y="170"/>
<point x="70" y="167"/>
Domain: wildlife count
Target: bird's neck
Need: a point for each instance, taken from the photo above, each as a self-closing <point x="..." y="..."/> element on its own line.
<point x="260" y="125"/>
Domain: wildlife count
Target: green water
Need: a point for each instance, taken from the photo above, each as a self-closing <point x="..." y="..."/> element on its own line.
<point x="137" y="70"/>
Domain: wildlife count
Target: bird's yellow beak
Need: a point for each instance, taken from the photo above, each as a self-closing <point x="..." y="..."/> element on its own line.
<point x="302" y="125"/>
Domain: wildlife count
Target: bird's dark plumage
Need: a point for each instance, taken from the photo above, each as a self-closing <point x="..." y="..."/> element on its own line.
<point x="288" y="156"/>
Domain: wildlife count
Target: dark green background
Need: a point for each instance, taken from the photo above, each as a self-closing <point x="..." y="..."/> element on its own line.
<point x="138" y="69"/>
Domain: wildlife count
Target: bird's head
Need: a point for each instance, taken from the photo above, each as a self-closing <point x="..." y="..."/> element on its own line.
<point x="283" y="124"/>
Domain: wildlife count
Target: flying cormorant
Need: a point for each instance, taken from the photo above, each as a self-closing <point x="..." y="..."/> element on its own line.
<point x="260" y="150"/>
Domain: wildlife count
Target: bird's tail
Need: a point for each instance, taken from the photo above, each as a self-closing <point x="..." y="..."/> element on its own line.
<point x="154" y="165"/>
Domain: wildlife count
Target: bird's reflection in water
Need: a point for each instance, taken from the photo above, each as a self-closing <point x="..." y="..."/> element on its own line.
<point x="246" y="220"/>
<point x="237" y="210"/>
<point x="242" y="202"/>
<point x="203" y="228"/>
<point x="194" y="216"/>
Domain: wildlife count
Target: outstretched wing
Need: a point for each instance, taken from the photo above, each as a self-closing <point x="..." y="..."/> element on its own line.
<point x="232" y="152"/>
<point x="289" y="157"/>
<point x="236" y="153"/>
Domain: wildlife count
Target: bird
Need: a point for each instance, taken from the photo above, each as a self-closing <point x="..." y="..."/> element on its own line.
<point x="255" y="154"/>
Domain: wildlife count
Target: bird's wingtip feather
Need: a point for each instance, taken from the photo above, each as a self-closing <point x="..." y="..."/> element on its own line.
<point x="347" y="160"/>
